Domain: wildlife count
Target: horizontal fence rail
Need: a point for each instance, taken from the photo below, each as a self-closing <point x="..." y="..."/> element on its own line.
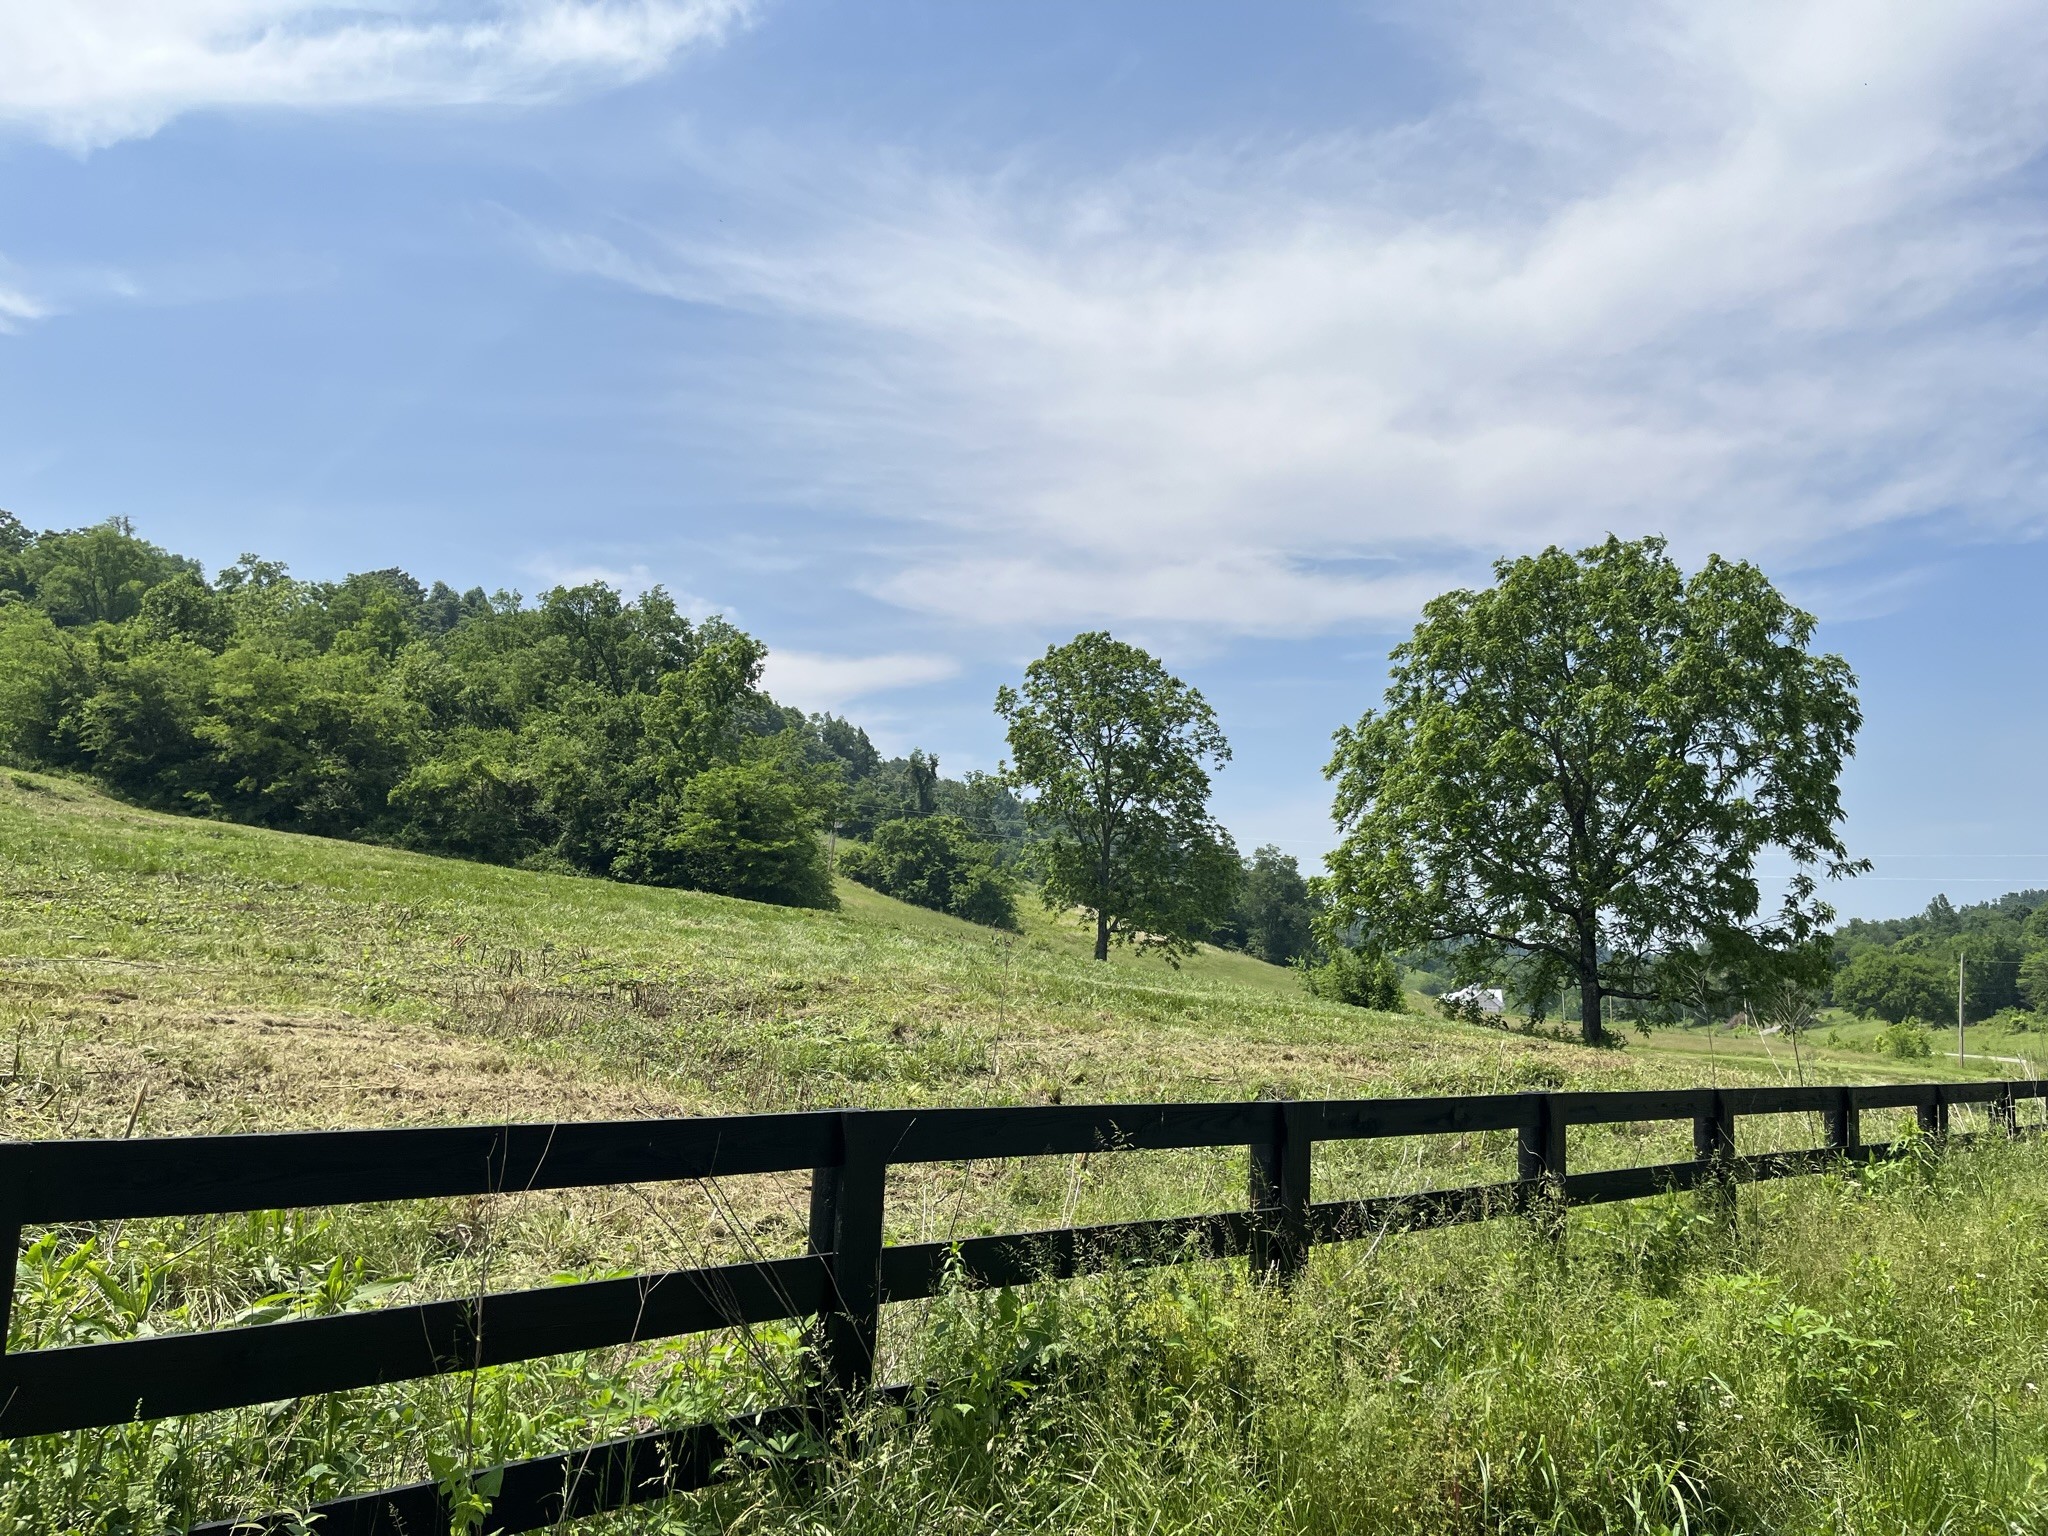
<point x="841" y="1283"/>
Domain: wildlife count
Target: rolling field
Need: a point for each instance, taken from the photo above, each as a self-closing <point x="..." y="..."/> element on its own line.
<point x="222" y="977"/>
<point x="1853" y="1357"/>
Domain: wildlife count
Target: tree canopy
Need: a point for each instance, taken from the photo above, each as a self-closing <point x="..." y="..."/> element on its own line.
<point x="1272" y="915"/>
<point x="937" y="862"/>
<point x="1581" y="765"/>
<point x="1113" y="754"/>
<point x="1902" y="968"/>
<point x="586" y="731"/>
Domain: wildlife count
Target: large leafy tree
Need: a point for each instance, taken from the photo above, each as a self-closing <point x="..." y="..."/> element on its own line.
<point x="1884" y="984"/>
<point x="1581" y="764"/>
<point x="1114" y="753"/>
<point x="1273" y="916"/>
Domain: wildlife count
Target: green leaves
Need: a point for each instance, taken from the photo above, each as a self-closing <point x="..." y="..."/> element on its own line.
<point x="1115" y="754"/>
<point x="1583" y="763"/>
<point x="935" y="862"/>
<point x="746" y="829"/>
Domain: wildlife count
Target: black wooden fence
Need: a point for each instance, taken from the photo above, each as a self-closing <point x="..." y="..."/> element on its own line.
<point x="842" y="1281"/>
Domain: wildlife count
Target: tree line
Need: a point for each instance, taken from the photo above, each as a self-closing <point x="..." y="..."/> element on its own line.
<point x="1567" y="785"/>
<point x="1911" y="968"/>
<point x="583" y="731"/>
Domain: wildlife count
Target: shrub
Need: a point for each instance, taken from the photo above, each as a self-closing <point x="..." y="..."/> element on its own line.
<point x="1465" y="1010"/>
<point x="1906" y="1040"/>
<point x="1362" y="979"/>
<point x="935" y="862"/>
<point x="746" y="830"/>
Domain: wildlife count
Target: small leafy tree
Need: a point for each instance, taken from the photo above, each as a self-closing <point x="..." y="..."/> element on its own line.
<point x="1114" y="753"/>
<point x="1583" y="762"/>
<point x="935" y="862"/>
<point x="1274" y="908"/>
<point x="742" y="829"/>
<point x="1358" y="977"/>
<point x="1905" y="1039"/>
<point x="924" y="780"/>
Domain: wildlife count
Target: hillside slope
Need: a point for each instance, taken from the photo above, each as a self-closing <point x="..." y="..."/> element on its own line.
<point x="232" y="976"/>
<point x="160" y="975"/>
<point x="222" y="977"/>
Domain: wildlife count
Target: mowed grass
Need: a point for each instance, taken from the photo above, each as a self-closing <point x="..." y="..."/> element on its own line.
<point x="230" y="977"/>
<point x="163" y="975"/>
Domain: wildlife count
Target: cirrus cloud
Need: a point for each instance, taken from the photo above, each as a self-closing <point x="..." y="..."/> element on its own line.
<point x="1767" y="278"/>
<point x="814" y="680"/>
<point x="88" y="73"/>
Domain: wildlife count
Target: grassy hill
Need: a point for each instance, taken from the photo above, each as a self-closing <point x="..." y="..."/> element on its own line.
<point x="160" y="974"/>
<point x="223" y="977"/>
<point x="231" y="976"/>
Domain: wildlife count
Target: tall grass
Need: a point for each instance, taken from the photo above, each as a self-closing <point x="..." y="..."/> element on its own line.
<point x="1854" y="1355"/>
<point x="1851" y="1354"/>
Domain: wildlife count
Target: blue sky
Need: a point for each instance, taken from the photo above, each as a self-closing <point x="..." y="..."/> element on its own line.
<point x="919" y="336"/>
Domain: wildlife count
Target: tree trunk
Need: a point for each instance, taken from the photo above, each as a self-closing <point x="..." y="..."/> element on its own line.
<point x="1101" y="934"/>
<point x="1591" y="1029"/>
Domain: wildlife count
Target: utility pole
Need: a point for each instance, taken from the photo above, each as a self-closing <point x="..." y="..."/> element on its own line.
<point x="1959" y="1008"/>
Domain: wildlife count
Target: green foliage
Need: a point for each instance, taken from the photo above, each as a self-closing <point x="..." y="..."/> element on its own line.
<point x="935" y="862"/>
<point x="1115" y="752"/>
<point x="564" y="735"/>
<point x="746" y="829"/>
<point x="2033" y="980"/>
<point x="904" y="787"/>
<point x="1273" y="915"/>
<point x="1884" y="984"/>
<point x="1890" y="968"/>
<point x="1581" y="764"/>
<point x="93" y="575"/>
<point x="1905" y="1039"/>
<point x="1362" y="979"/>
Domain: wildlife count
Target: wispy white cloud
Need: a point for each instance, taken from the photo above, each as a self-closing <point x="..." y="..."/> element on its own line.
<point x="1768" y="278"/>
<point x="812" y="680"/>
<point x="633" y="580"/>
<point x="17" y="308"/>
<point x="88" y="73"/>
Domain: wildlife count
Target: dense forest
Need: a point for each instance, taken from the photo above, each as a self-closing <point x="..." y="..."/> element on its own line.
<point x="1906" y="968"/>
<point x="581" y="731"/>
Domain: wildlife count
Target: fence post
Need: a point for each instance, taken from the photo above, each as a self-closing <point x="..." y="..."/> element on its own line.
<point x="846" y="1227"/>
<point x="1933" y="1117"/>
<point x="1279" y="1198"/>
<point x="10" y="1256"/>
<point x="2005" y="1112"/>
<point x="1713" y="1143"/>
<point x="1539" y="1162"/>
<point x="10" y="1241"/>
<point x="1844" y="1131"/>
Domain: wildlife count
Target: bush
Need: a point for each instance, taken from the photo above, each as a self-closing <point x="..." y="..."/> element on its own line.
<point x="746" y="830"/>
<point x="935" y="862"/>
<point x="1880" y="983"/>
<point x="1356" y="977"/>
<point x="1906" y="1040"/>
<point x="1466" y="1010"/>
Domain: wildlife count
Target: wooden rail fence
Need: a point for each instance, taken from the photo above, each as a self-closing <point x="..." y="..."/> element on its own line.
<point x="842" y="1281"/>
